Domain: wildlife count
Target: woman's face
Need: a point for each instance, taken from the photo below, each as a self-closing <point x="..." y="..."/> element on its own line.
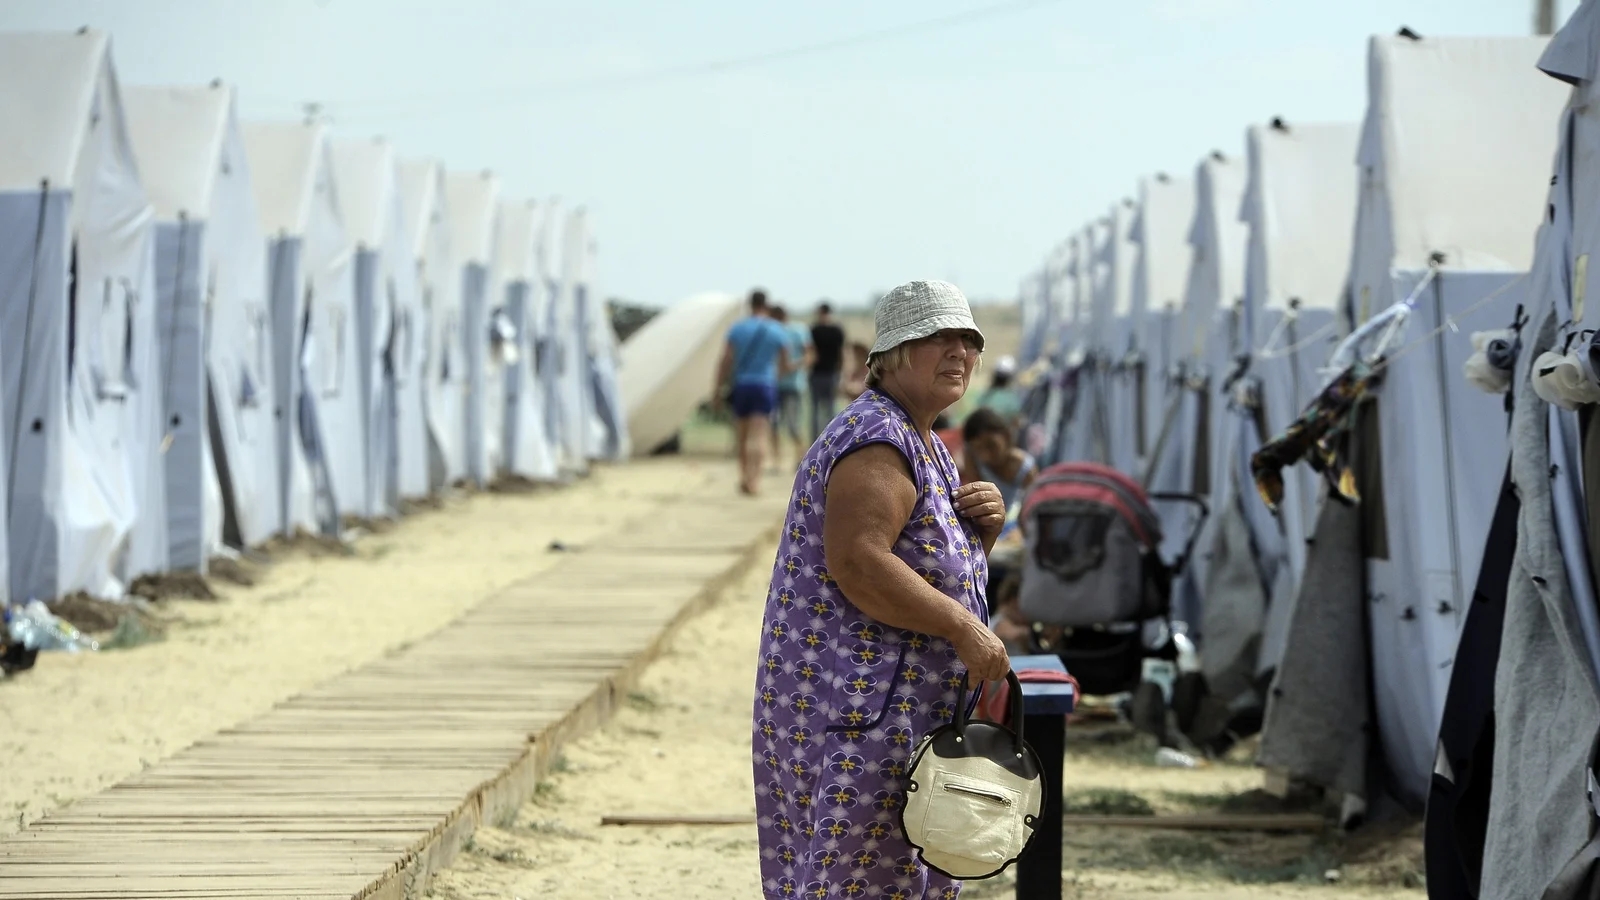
<point x="940" y="367"/>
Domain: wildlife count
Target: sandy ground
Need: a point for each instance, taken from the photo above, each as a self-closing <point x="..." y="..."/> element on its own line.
<point x="682" y="746"/>
<point x="76" y="724"/>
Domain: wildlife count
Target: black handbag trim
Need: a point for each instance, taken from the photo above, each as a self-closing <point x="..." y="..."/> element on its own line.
<point x="957" y="731"/>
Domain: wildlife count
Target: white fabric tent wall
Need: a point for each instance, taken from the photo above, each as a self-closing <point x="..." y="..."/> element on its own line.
<point x="388" y="327"/>
<point x="1435" y="178"/>
<point x="667" y="364"/>
<point x="1540" y="815"/>
<point x="221" y="461"/>
<point x="1166" y="210"/>
<point x="1300" y="211"/>
<point x="1032" y="299"/>
<point x="81" y="411"/>
<point x="1085" y="430"/>
<point x="322" y="463"/>
<point x="571" y="385"/>
<point x="1299" y="208"/>
<point x="1443" y="451"/>
<point x="1212" y="292"/>
<point x="606" y="423"/>
<point x="1124" y="416"/>
<point x="529" y="449"/>
<point x="443" y="365"/>
<point x="1455" y="132"/>
<point x="474" y="200"/>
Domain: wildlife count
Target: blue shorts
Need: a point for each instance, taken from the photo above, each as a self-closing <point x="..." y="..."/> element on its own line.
<point x="753" y="400"/>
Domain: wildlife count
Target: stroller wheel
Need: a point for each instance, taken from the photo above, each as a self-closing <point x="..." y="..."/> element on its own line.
<point x="1148" y="710"/>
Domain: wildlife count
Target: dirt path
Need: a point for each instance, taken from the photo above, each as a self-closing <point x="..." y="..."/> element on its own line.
<point x="682" y="746"/>
<point x="76" y="724"/>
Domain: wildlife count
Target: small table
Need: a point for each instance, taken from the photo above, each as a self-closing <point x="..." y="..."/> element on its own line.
<point x="1045" y="707"/>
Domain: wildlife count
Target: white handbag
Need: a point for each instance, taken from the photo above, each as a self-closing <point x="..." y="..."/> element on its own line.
<point x="975" y="792"/>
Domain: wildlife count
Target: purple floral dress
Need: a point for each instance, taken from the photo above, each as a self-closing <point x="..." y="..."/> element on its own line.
<point x="841" y="698"/>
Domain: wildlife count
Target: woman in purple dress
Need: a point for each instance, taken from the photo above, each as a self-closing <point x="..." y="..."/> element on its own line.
<point x="875" y="612"/>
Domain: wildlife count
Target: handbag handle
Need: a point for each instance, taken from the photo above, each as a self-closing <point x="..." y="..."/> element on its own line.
<point x="1016" y="708"/>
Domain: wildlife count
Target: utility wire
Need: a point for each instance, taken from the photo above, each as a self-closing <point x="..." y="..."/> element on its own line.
<point x="510" y="97"/>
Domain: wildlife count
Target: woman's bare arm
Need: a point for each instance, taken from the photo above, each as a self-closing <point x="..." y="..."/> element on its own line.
<point x="871" y="496"/>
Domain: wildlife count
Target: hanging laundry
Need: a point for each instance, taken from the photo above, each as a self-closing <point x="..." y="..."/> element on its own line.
<point x="1492" y="361"/>
<point x="1318" y="438"/>
<point x="1561" y="379"/>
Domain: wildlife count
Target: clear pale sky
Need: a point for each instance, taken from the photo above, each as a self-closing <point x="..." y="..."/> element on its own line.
<point x="964" y="152"/>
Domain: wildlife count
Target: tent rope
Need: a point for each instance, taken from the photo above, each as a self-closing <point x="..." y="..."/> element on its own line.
<point x="1450" y="322"/>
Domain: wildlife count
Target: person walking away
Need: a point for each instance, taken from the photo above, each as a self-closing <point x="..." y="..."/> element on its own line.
<point x="752" y="359"/>
<point x="875" y="614"/>
<point x="827" y="366"/>
<point x="1001" y="396"/>
<point x="990" y="454"/>
<point x="791" y="387"/>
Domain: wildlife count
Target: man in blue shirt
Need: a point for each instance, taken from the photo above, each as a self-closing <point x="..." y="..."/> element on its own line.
<point x="753" y="357"/>
<point x="791" y="387"/>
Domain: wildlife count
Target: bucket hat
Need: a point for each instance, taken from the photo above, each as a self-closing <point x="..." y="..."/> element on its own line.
<point x="918" y="309"/>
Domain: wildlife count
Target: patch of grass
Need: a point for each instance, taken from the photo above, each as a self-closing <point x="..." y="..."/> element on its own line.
<point x="133" y="631"/>
<point x="641" y="732"/>
<point x="553" y="828"/>
<point x="512" y="857"/>
<point x="1305" y="870"/>
<point x="643" y="701"/>
<point x="560" y="764"/>
<point x="545" y="793"/>
<point x="1106" y="802"/>
<point x="1112" y="743"/>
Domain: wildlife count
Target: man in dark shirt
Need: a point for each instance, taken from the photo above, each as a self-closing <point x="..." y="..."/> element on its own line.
<point x="827" y="343"/>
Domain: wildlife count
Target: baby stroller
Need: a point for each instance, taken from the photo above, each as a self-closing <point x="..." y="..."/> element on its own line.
<point x="1094" y="585"/>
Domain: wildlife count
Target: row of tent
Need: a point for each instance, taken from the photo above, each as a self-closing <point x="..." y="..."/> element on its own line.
<point x="1414" y="617"/>
<point x="214" y="333"/>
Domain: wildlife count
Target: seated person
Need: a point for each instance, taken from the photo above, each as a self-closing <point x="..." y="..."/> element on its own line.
<point x="989" y="453"/>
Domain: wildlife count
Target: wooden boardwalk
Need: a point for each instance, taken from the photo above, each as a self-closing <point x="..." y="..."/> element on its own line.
<point x="368" y="784"/>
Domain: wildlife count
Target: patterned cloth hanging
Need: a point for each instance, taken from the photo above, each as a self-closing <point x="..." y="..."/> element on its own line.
<point x="1320" y="437"/>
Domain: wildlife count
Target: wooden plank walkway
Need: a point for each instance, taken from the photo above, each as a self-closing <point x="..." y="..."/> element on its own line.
<point x="371" y="782"/>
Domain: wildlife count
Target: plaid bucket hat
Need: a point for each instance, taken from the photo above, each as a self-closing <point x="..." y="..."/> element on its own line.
<point x="917" y="309"/>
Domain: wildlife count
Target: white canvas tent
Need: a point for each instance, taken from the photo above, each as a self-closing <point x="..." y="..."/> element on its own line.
<point x="474" y="201"/>
<point x="78" y="361"/>
<point x="213" y="326"/>
<point x="569" y="385"/>
<point x="1166" y="210"/>
<point x="1084" y="432"/>
<point x="1125" y="330"/>
<point x="321" y="457"/>
<point x="667" y="364"/>
<point x="1538" y="836"/>
<point x="529" y="450"/>
<point x="1212" y="292"/>
<point x="1300" y="211"/>
<point x="1456" y="129"/>
<point x="605" y="423"/>
<point x="388" y="312"/>
<point x="1464" y="185"/>
<point x="443" y="365"/>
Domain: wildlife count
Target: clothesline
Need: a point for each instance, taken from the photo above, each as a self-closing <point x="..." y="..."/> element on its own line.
<point x="1450" y="323"/>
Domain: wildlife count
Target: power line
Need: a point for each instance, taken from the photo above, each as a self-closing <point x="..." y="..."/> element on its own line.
<point x="422" y="107"/>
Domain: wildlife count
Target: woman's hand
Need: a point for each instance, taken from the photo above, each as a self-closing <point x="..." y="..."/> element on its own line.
<point x="982" y="652"/>
<point x="980" y="502"/>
